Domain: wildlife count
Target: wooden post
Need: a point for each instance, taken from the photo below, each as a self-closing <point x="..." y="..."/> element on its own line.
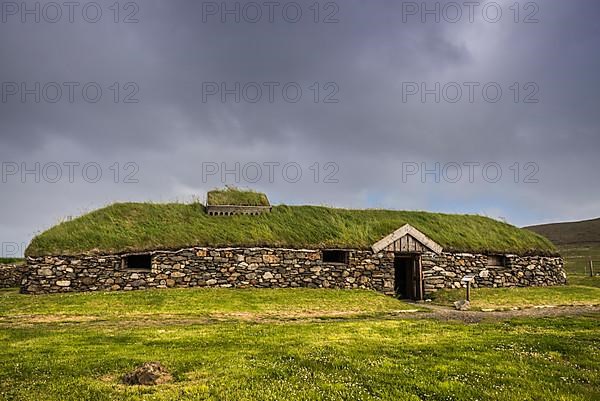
<point x="421" y="286"/>
<point x="591" y="268"/>
<point x="469" y="291"/>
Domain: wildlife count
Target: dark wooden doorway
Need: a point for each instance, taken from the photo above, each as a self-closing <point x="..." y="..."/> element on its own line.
<point x="408" y="277"/>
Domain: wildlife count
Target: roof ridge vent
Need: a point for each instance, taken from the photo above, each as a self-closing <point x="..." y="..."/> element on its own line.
<point x="232" y="201"/>
<point x="230" y="210"/>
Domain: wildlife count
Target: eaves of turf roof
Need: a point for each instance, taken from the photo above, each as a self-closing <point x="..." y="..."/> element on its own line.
<point x="135" y="227"/>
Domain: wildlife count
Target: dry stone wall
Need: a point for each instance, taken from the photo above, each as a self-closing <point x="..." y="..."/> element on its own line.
<point x="447" y="269"/>
<point x="202" y="267"/>
<point x="278" y="268"/>
<point x="10" y="275"/>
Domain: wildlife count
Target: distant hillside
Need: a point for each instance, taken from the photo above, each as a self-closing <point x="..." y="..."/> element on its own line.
<point x="587" y="231"/>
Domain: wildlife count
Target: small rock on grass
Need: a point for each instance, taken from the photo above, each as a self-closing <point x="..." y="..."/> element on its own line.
<point x="149" y="374"/>
<point x="462" y="305"/>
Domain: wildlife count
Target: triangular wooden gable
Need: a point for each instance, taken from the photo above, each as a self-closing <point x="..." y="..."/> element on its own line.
<point x="406" y="239"/>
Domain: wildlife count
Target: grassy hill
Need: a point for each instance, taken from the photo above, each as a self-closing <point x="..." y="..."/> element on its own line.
<point x="578" y="232"/>
<point x="578" y="242"/>
<point x="128" y="227"/>
<point x="577" y="257"/>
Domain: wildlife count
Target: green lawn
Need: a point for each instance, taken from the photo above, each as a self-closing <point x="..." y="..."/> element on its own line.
<point x="367" y="357"/>
<point x="580" y="291"/>
<point x="579" y="279"/>
<point x="202" y="302"/>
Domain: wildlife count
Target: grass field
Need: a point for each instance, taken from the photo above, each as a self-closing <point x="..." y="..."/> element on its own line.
<point x="11" y="260"/>
<point x="581" y="290"/>
<point x="577" y="257"/>
<point x="210" y="303"/>
<point x="584" y="292"/>
<point x="285" y="345"/>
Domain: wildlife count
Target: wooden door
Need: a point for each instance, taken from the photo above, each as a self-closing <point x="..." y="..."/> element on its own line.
<point x="417" y="279"/>
<point x="408" y="282"/>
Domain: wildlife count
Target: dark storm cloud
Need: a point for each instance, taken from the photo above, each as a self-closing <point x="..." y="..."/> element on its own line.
<point x="364" y="61"/>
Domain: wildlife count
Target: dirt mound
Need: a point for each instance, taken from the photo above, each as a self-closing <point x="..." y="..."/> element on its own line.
<point x="149" y="374"/>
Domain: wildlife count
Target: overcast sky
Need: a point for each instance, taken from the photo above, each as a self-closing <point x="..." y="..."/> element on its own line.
<point x="359" y="97"/>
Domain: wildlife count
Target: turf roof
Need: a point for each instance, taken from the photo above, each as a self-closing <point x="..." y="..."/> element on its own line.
<point x="236" y="197"/>
<point x="132" y="227"/>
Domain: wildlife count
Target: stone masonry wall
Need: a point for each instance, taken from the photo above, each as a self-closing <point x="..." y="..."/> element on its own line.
<point x="10" y="274"/>
<point x="447" y="269"/>
<point x="278" y="268"/>
<point x="202" y="267"/>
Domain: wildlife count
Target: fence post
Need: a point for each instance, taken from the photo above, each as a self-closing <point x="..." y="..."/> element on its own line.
<point x="591" y="268"/>
<point x="469" y="291"/>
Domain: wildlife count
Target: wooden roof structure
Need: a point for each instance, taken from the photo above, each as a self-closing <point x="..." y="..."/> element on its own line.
<point x="407" y="239"/>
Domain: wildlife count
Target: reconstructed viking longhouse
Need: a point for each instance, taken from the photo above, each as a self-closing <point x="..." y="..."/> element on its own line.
<point x="238" y="240"/>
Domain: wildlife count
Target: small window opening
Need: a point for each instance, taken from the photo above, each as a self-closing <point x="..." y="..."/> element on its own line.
<point x="138" y="262"/>
<point x="335" y="256"/>
<point x="496" y="260"/>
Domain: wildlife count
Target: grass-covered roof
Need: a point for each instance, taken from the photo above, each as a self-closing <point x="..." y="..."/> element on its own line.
<point x="236" y="197"/>
<point x="131" y="227"/>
